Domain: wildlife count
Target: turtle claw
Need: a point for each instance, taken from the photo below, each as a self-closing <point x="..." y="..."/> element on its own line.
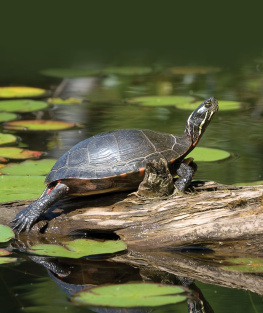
<point x="24" y="220"/>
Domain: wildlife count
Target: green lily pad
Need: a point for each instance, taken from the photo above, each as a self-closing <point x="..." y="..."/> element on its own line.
<point x="4" y="252"/>
<point x="70" y="100"/>
<point x="18" y="153"/>
<point x="201" y="154"/>
<point x="79" y="248"/>
<point x="5" y="117"/>
<point x="20" y="187"/>
<point x="38" y="125"/>
<point x="22" y="92"/>
<point x="7" y="260"/>
<point x="251" y="265"/>
<point x="70" y="72"/>
<point x="6" y="233"/>
<point x="178" y="101"/>
<point x="29" y="167"/>
<point x="131" y="295"/>
<point x="127" y="70"/>
<point x="193" y="70"/>
<point x="225" y="105"/>
<point x="7" y="138"/>
<point x="22" y="105"/>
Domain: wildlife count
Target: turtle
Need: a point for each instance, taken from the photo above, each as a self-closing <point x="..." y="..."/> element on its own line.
<point x="116" y="161"/>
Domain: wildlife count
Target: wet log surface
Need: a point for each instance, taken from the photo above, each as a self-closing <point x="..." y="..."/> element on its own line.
<point x="209" y="213"/>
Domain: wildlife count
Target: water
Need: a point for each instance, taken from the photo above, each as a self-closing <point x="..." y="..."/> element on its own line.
<point x="27" y="286"/>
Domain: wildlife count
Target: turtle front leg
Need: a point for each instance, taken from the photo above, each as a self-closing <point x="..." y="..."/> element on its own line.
<point x="186" y="173"/>
<point x="27" y="217"/>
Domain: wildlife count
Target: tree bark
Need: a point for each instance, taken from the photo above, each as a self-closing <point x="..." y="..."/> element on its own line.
<point x="209" y="213"/>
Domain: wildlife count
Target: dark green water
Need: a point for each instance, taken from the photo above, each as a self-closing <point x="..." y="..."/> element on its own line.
<point x="81" y="38"/>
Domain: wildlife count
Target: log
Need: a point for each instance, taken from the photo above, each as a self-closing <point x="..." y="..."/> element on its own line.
<point x="208" y="213"/>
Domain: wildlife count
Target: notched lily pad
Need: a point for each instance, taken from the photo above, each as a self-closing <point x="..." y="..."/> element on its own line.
<point x="18" y="153"/>
<point x="20" y="187"/>
<point x="158" y="101"/>
<point x="79" y="248"/>
<point x="6" y="233"/>
<point x="29" y="167"/>
<point x="6" y="139"/>
<point x="6" y="116"/>
<point x="38" y="125"/>
<point x="131" y="295"/>
<point x="201" y="154"/>
<point x="251" y="265"/>
<point x="22" y="92"/>
<point x="22" y="105"/>
<point x="70" y="100"/>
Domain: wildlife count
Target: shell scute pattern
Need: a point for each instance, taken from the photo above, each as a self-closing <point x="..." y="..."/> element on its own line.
<point x="116" y="152"/>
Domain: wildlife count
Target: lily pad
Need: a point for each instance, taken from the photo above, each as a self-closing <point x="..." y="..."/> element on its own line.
<point x="7" y="260"/>
<point x="225" y="105"/>
<point x="178" y="101"/>
<point x="7" y="138"/>
<point x="22" y="92"/>
<point x="70" y="100"/>
<point x="251" y="265"/>
<point x="131" y="295"/>
<point x="127" y="70"/>
<point x="70" y="72"/>
<point x="4" y="252"/>
<point x="20" y="187"/>
<point x="6" y="233"/>
<point x="193" y="70"/>
<point x="5" y="117"/>
<point x="79" y="248"/>
<point x="38" y="125"/>
<point x="18" y="153"/>
<point x="29" y="167"/>
<point x="201" y="154"/>
<point x="22" y="105"/>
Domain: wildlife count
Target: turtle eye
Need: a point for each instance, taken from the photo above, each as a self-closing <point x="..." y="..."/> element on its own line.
<point x="208" y="103"/>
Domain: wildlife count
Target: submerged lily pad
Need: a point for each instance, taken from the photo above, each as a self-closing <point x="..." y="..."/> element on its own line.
<point x="22" y="105"/>
<point x="131" y="295"/>
<point x="18" y="153"/>
<point x="79" y="248"/>
<point x="20" y="187"/>
<point x="38" y="125"/>
<point x="6" y="233"/>
<point x="201" y="154"/>
<point x="7" y="138"/>
<point x="29" y="167"/>
<point x="251" y="265"/>
<point x="178" y="101"/>
<point x="22" y="92"/>
<point x="70" y="100"/>
<point x="5" y="117"/>
<point x="127" y="70"/>
<point x="70" y="72"/>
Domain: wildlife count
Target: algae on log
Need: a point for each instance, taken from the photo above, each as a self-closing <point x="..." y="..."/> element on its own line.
<point x="210" y="212"/>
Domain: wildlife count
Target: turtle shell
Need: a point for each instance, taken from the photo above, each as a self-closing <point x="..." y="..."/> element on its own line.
<point x="118" y="154"/>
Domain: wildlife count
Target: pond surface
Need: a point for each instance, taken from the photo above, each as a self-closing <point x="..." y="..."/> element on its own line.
<point x="27" y="285"/>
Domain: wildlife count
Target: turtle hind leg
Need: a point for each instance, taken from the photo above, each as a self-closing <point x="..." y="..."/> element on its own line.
<point x="186" y="173"/>
<point x="27" y="217"/>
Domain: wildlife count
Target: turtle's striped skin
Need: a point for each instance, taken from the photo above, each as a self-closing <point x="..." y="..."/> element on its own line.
<point x="116" y="160"/>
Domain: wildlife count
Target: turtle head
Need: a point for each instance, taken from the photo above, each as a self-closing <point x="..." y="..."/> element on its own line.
<point x="200" y="118"/>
